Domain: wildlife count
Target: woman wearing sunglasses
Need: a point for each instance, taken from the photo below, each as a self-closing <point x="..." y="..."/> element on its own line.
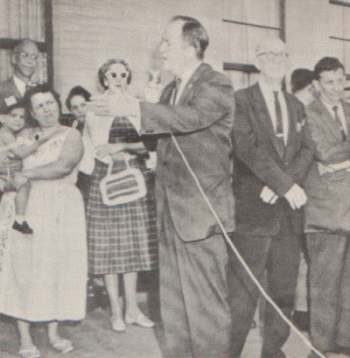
<point x="122" y="239"/>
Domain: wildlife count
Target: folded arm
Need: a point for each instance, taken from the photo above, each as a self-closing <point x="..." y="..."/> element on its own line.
<point x="72" y="151"/>
<point x="328" y="150"/>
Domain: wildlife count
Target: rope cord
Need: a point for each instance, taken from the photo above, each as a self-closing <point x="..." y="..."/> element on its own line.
<point x="240" y="258"/>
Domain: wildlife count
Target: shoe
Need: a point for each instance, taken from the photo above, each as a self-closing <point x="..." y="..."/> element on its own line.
<point x="24" y="228"/>
<point x="118" y="325"/>
<point x="64" y="346"/>
<point x="32" y="352"/>
<point x="141" y="320"/>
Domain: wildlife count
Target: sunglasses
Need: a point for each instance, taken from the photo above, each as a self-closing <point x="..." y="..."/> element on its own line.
<point x="122" y="75"/>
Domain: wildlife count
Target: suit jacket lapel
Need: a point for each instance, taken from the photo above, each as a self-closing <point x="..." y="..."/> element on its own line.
<point x="292" y="130"/>
<point x="328" y="120"/>
<point x="167" y="92"/>
<point x="262" y="113"/>
<point x="346" y="108"/>
<point x="194" y="78"/>
<point x="14" y="88"/>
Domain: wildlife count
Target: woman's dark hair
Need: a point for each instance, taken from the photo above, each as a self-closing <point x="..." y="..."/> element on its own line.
<point x="7" y="109"/>
<point x="77" y="91"/>
<point x="105" y="68"/>
<point x="44" y="88"/>
<point x="327" y="64"/>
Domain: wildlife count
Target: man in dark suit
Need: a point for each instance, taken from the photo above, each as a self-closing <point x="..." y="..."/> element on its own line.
<point x="274" y="151"/>
<point x="192" y="249"/>
<point x="327" y="213"/>
<point x="24" y="61"/>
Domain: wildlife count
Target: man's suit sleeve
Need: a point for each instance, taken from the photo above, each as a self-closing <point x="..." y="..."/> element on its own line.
<point x="327" y="151"/>
<point x="208" y="103"/>
<point x="252" y="150"/>
<point x="300" y="164"/>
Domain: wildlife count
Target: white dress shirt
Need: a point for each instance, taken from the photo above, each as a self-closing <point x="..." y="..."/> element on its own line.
<point x="185" y="77"/>
<point x="21" y="85"/>
<point x="269" y="98"/>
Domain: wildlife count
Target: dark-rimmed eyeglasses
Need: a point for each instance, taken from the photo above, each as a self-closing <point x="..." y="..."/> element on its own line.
<point x="270" y="55"/>
<point x="122" y="75"/>
<point x="26" y="55"/>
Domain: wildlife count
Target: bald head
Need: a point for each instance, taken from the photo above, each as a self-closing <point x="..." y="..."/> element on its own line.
<point x="271" y="58"/>
<point x="273" y="44"/>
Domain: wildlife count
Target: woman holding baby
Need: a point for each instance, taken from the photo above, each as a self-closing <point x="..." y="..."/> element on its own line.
<point x="43" y="279"/>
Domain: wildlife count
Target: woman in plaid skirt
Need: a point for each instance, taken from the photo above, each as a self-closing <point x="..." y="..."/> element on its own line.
<point x="122" y="239"/>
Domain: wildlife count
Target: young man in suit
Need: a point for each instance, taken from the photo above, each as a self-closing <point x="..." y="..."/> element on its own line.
<point x="273" y="152"/>
<point x="327" y="218"/>
<point x="301" y="81"/>
<point x="193" y="254"/>
<point x="24" y="61"/>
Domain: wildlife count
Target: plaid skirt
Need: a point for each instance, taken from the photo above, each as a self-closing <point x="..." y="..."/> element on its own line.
<point x="121" y="238"/>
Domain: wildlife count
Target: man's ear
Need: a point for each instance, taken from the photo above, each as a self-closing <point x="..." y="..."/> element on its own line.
<point x="316" y="84"/>
<point x="256" y="63"/>
<point x="2" y="118"/>
<point x="14" y="59"/>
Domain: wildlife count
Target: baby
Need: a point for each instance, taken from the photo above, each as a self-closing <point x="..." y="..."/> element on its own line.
<point x="15" y="147"/>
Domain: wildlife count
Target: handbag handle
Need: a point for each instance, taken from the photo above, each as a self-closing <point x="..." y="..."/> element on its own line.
<point x="110" y="165"/>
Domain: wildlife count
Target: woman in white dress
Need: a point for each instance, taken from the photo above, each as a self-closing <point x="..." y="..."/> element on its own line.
<point x="44" y="275"/>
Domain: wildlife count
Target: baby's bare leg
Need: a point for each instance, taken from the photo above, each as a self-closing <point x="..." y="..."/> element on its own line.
<point x="21" y="199"/>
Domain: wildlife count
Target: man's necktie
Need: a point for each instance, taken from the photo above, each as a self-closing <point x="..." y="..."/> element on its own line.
<point x="279" y="124"/>
<point x="30" y="85"/>
<point x="177" y="81"/>
<point x="338" y="121"/>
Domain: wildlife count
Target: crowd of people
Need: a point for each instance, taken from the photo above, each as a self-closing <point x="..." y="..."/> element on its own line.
<point x="269" y="168"/>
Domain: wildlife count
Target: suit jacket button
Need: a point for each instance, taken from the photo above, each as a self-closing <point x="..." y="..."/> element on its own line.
<point x="165" y="164"/>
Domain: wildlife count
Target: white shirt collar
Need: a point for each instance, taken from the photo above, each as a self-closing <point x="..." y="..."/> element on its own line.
<point x="21" y="85"/>
<point x="266" y="88"/>
<point x="185" y="77"/>
<point x="268" y="95"/>
<point x="330" y="106"/>
<point x="340" y="112"/>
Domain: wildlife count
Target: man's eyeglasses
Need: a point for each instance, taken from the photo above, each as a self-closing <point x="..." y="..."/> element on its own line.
<point x="26" y="55"/>
<point x="122" y="75"/>
<point x="270" y="55"/>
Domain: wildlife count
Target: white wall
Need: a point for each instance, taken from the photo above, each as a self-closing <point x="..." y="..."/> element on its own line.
<point x="309" y="23"/>
<point x="88" y="32"/>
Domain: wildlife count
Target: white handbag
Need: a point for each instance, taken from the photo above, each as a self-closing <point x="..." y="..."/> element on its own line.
<point x="123" y="187"/>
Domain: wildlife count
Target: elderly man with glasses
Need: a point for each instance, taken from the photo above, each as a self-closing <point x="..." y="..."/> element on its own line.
<point x="273" y="150"/>
<point x="24" y="60"/>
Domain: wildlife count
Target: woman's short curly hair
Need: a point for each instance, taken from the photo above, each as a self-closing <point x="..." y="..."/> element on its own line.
<point x="42" y="88"/>
<point x="105" y="68"/>
<point x="77" y="91"/>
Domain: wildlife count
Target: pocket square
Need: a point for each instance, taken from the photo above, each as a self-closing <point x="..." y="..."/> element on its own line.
<point x="300" y="125"/>
<point x="10" y="101"/>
